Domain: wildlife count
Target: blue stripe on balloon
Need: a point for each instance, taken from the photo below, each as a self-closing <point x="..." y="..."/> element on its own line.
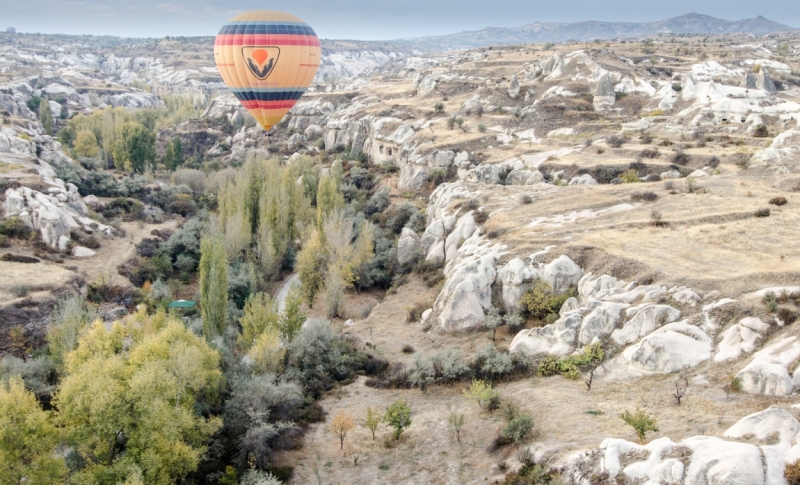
<point x="266" y="28"/>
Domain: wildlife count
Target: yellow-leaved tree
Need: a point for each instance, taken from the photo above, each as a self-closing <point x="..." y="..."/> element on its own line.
<point x="28" y="439"/>
<point x="127" y="402"/>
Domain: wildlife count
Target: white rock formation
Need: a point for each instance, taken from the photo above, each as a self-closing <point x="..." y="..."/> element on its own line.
<point x="768" y="372"/>
<point x="407" y="246"/>
<point x="740" y="339"/>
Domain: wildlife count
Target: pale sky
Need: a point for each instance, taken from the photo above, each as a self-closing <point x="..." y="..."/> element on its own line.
<point x="359" y="19"/>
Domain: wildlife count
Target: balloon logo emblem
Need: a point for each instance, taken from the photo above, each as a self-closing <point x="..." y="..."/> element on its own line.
<point x="261" y="60"/>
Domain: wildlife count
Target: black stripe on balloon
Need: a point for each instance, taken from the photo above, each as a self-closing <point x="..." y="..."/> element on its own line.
<point x="279" y="96"/>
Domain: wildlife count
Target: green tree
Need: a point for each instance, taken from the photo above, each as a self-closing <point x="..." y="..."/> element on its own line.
<point x="311" y="261"/>
<point x="86" y="144"/>
<point x="213" y="270"/>
<point x="398" y="415"/>
<point x="372" y="420"/>
<point x="480" y="393"/>
<point x="141" y="147"/>
<point x="641" y="422"/>
<point x="128" y="402"/>
<point x="260" y="312"/>
<point x="28" y="439"/>
<point x="329" y="197"/>
<point x="173" y="154"/>
<point x="456" y="422"/>
<point x="292" y="317"/>
<point x="46" y="116"/>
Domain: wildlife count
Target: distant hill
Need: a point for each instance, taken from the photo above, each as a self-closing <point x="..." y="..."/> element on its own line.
<point x="692" y="23"/>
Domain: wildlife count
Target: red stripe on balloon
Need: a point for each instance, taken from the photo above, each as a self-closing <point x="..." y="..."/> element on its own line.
<point x="268" y="104"/>
<point x="251" y="39"/>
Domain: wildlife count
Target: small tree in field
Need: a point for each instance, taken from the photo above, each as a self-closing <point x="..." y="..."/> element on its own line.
<point x="372" y="420"/>
<point x="456" y="422"/>
<point x="340" y="425"/>
<point x="480" y="393"/>
<point x="641" y="422"/>
<point x="493" y="320"/>
<point x="398" y="415"/>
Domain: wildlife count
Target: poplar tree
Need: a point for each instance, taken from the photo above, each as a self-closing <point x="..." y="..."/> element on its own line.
<point x="46" y="116"/>
<point x="213" y="285"/>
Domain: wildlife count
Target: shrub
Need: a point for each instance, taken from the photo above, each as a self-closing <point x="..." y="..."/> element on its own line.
<point x="415" y="312"/>
<point x="570" y="366"/>
<point x="786" y="316"/>
<point x="408" y="349"/>
<point x="762" y="212"/>
<point x="779" y="201"/>
<point x="518" y="428"/>
<point x="480" y="393"/>
<point x="792" y="473"/>
<point x="712" y="162"/>
<point x="641" y="422"/>
<point x="481" y="128"/>
<point x="630" y="177"/>
<point x="649" y="153"/>
<point x="644" y="196"/>
<point x="771" y="302"/>
<point x="480" y="216"/>
<point x="681" y="158"/>
<point x="541" y="301"/>
<point x="491" y="363"/>
<point x="439" y="107"/>
<point x="526" y="199"/>
<point x="761" y="131"/>
<point x="15" y="227"/>
<point x="615" y="141"/>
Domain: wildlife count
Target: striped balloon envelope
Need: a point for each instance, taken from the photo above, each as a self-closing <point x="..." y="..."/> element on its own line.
<point x="268" y="59"/>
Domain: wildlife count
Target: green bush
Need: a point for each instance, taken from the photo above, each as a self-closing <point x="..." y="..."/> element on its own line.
<point x="540" y="301"/>
<point x="14" y="227"/>
<point x="641" y="422"/>
<point x="518" y="428"/>
<point x="570" y="366"/>
<point x="630" y="177"/>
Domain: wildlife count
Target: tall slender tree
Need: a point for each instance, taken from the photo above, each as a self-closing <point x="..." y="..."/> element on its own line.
<point x="213" y="285"/>
<point x="46" y="115"/>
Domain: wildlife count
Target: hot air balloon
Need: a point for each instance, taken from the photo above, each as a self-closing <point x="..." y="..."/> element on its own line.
<point x="268" y="59"/>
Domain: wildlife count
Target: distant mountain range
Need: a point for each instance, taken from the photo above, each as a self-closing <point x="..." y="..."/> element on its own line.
<point x="692" y="23"/>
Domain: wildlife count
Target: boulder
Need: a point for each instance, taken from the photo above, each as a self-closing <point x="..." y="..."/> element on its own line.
<point x="81" y="252"/>
<point x="584" y="179"/>
<point x="562" y="273"/>
<point x="515" y="277"/>
<point x="465" y="227"/>
<point x="671" y="348"/>
<point x="513" y="88"/>
<point x="295" y="141"/>
<point x="740" y="338"/>
<point x="764" y="425"/>
<point x="716" y="461"/>
<point x="768" y="372"/>
<point x="557" y="338"/>
<point x="645" y="322"/>
<point x="408" y="247"/>
<point x="524" y="177"/>
<point x="600" y="322"/>
<point x="604" y="95"/>
<point x="466" y="292"/>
